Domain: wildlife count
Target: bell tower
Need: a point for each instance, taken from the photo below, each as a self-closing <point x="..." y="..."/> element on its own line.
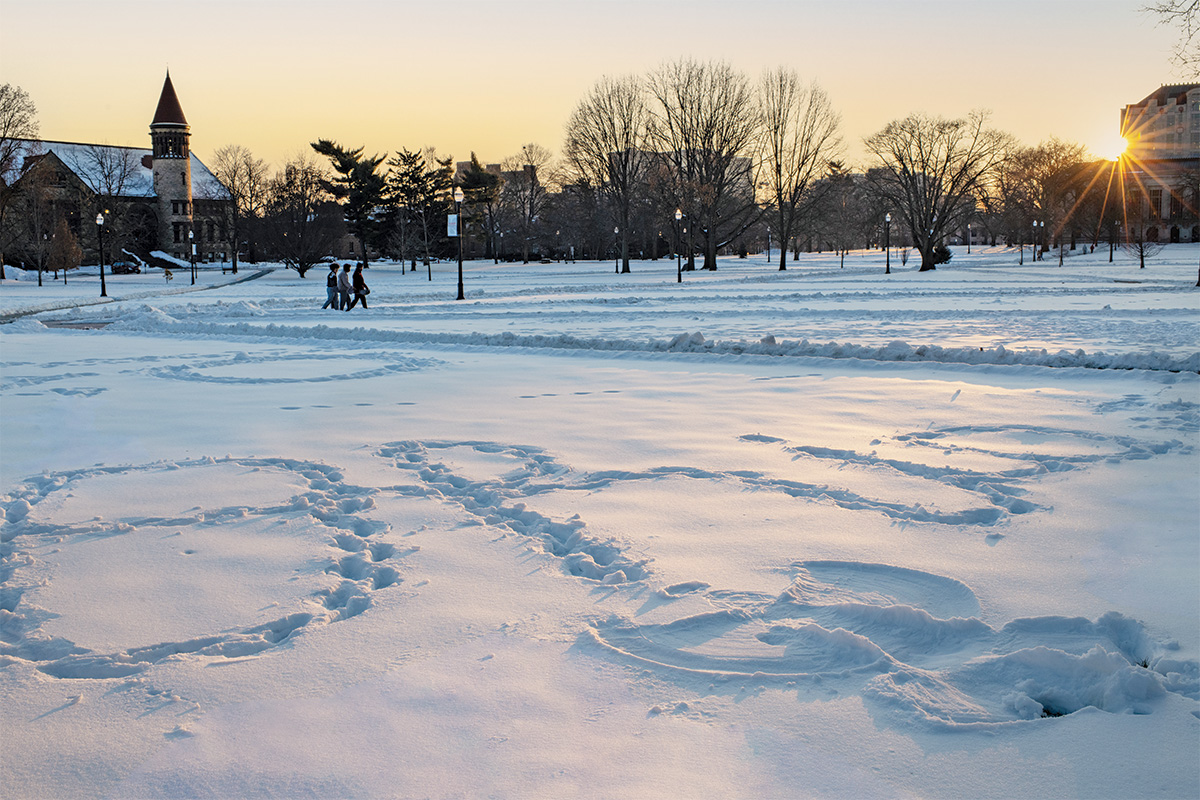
<point x="169" y="135"/>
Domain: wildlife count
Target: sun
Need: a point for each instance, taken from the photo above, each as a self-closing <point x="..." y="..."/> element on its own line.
<point x="1113" y="148"/>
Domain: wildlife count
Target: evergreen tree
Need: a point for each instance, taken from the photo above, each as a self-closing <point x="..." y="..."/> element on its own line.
<point x="362" y="188"/>
<point x="482" y="191"/>
<point x="419" y="185"/>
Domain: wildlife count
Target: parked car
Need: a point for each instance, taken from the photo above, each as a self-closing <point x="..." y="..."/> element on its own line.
<point x="125" y="268"/>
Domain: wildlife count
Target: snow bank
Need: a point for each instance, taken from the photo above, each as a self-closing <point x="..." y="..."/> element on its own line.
<point x="695" y="342"/>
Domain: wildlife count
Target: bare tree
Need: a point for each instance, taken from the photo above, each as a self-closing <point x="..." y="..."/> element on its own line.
<point x="800" y="137"/>
<point x="1184" y="17"/>
<point x="109" y="171"/>
<point x="302" y="223"/>
<point x="246" y="179"/>
<point x="35" y="217"/>
<point x="65" y="252"/>
<point x="705" y="123"/>
<point x="606" y="146"/>
<point x="18" y="123"/>
<point x="931" y="170"/>
<point x="1042" y="184"/>
<point x="524" y="191"/>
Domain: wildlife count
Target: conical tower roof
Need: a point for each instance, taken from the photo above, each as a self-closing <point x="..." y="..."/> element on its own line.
<point x="169" y="112"/>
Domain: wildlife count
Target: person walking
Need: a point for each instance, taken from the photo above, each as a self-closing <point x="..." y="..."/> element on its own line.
<point x="361" y="290"/>
<point x="331" y="290"/>
<point x="343" y="288"/>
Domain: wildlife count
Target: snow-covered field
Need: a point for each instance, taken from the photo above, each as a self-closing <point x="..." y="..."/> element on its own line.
<point x="814" y="533"/>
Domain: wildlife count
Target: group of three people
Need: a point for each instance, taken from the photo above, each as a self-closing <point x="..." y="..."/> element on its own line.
<point x="340" y="285"/>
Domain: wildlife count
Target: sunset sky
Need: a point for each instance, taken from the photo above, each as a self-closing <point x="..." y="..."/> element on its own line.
<point x="488" y="76"/>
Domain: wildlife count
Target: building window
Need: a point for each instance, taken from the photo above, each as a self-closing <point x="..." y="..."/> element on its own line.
<point x="177" y="228"/>
<point x="175" y="207"/>
<point x="1155" y="203"/>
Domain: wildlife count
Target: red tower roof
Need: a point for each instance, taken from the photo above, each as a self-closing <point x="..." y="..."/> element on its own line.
<point x="169" y="112"/>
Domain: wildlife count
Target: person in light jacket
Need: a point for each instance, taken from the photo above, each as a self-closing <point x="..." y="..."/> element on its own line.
<point x="360" y="288"/>
<point x="331" y="290"/>
<point x="343" y="287"/>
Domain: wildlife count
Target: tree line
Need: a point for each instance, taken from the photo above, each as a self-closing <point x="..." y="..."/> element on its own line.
<point x="692" y="158"/>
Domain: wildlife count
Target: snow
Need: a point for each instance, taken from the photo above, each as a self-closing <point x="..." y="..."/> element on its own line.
<point x="820" y="532"/>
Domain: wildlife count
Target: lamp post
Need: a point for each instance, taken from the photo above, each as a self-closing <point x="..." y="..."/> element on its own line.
<point x="458" y="198"/>
<point x="678" y="255"/>
<point x="42" y="258"/>
<point x="192" y="247"/>
<point x="968" y="238"/>
<point x="887" y="242"/>
<point x="100" y="233"/>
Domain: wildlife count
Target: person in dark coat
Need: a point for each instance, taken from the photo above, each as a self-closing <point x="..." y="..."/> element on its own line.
<point x="360" y="288"/>
<point x="331" y="291"/>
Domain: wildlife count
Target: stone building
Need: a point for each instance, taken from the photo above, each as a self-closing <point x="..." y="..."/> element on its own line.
<point x="1161" y="163"/>
<point x="152" y="198"/>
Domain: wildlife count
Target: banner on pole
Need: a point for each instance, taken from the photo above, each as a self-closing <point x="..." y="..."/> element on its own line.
<point x="452" y="224"/>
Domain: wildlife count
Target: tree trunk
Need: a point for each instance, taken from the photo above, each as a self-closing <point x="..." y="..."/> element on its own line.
<point x="927" y="264"/>
<point x="710" y="251"/>
<point x="625" y="240"/>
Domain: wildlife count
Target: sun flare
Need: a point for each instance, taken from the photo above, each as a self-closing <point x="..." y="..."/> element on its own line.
<point x="1114" y="148"/>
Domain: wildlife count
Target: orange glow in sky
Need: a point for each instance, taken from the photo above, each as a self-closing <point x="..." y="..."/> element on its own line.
<point x="489" y="76"/>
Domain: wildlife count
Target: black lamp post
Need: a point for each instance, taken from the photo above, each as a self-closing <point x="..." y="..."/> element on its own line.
<point x="458" y="198"/>
<point x="192" y="247"/>
<point x="100" y="233"/>
<point x="887" y="243"/>
<point x="42" y="259"/>
<point x="678" y="254"/>
<point x="617" y="258"/>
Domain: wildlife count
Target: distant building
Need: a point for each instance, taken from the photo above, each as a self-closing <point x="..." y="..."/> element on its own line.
<point x="1162" y="162"/>
<point x="154" y="197"/>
